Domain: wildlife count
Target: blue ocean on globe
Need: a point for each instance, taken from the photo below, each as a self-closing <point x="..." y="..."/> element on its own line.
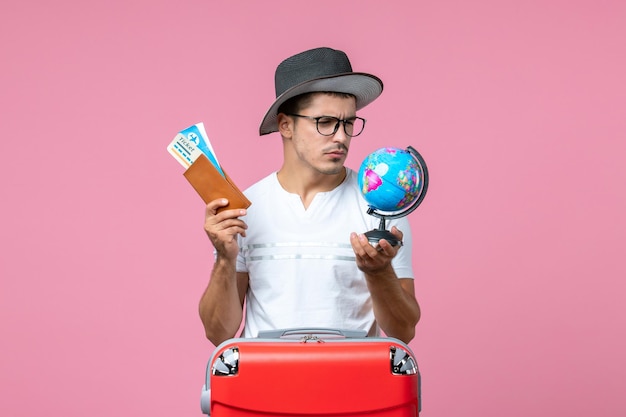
<point x="389" y="179"/>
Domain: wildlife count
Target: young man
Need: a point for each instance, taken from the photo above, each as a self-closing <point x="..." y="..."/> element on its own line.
<point x="298" y="256"/>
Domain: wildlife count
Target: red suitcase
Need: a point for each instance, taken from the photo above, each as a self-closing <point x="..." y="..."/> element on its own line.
<point x="314" y="372"/>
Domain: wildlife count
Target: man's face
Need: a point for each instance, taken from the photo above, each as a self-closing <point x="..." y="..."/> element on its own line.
<point x="324" y="154"/>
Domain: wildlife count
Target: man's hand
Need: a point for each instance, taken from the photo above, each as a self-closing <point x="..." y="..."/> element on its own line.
<point x="223" y="228"/>
<point x="370" y="259"/>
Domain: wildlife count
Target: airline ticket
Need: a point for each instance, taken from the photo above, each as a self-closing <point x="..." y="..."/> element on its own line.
<point x="190" y="143"/>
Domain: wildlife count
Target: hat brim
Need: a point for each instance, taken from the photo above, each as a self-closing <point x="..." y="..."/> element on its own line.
<point x="365" y="87"/>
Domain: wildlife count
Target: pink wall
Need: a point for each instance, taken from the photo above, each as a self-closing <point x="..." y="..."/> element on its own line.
<point x="517" y="107"/>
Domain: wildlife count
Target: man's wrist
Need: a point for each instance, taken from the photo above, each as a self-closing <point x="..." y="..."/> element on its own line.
<point x="223" y="261"/>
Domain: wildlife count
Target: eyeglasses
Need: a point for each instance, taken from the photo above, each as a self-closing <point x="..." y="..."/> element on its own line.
<point x="328" y="125"/>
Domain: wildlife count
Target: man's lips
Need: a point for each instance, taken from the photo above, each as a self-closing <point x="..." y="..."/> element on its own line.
<point x="336" y="153"/>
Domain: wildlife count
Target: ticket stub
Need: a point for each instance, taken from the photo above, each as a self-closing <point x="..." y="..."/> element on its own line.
<point x="190" y="143"/>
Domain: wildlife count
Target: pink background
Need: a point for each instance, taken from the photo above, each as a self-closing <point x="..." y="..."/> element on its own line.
<point x="517" y="107"/>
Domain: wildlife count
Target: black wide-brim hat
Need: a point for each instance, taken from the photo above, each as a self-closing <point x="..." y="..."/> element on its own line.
<point x="319" y="70"/>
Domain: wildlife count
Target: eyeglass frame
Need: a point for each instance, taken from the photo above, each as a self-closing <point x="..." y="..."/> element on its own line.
<point x="339" y="121"/>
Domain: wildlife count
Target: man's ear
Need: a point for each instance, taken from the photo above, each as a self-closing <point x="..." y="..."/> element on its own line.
<point x="285" y="125"/>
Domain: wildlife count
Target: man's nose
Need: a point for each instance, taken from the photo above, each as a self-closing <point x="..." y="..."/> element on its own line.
<point x="340" y="134"/>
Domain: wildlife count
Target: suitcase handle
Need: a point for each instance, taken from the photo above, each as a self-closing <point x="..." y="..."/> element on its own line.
<point x="314" y="331"/>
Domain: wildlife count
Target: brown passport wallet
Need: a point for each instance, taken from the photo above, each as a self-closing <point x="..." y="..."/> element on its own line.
<point x="211" y="185"/>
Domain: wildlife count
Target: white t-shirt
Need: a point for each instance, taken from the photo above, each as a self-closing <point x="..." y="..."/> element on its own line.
<point x="300" y="263"/>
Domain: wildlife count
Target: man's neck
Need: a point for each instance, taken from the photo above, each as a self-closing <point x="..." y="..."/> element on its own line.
<point x="307" y="185"/>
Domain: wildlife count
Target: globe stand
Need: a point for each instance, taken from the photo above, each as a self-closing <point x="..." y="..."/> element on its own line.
<point x="374" y="236"/>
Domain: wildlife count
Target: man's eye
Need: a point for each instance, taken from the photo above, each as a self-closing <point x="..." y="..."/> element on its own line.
<point x="327" y="121"/>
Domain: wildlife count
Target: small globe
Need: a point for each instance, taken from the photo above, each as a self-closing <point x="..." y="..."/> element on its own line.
<point x="390" y="179"/>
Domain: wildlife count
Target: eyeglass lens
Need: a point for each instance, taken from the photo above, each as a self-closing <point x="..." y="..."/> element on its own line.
<point x="328" y="126"/>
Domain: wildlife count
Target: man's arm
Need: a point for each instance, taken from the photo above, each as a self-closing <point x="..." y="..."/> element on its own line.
<point x="395" y="307"/>
<point x="221" y="305"/>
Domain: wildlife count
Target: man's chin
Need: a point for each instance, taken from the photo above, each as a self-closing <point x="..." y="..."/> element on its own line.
<point x="334" y="170"/>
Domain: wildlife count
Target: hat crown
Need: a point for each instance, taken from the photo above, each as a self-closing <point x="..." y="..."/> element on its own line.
<point x="309" y="65"/>
<point x="319" y="70"/>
